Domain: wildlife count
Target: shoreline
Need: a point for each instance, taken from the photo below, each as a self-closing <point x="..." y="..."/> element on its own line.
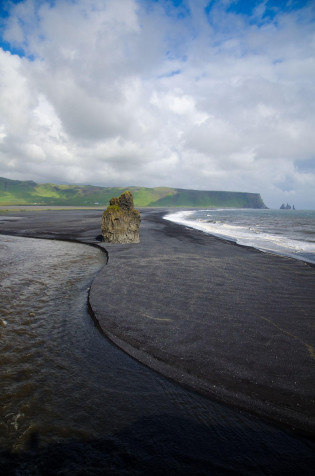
<point x="178" y="303"/>
<point x="234" y="239"/>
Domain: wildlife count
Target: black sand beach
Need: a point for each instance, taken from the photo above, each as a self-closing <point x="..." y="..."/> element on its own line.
<point x="230" y="322"/>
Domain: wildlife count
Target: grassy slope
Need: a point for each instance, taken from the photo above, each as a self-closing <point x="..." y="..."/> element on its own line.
<point x="15" y="192"/>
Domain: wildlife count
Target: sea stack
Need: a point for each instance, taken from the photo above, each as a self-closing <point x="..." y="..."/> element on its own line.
<point x="120" y="221"/>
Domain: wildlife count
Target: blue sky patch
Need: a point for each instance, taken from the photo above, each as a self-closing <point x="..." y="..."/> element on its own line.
<point x="306" y="166"/>
<point x="13" y="50"/>
<point x="272" y="7"/>
<point x="178" y="9"/>
<point x="170" y="74"/>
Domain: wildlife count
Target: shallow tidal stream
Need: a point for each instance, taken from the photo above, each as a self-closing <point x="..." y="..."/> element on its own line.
<point x="67" y="391"/>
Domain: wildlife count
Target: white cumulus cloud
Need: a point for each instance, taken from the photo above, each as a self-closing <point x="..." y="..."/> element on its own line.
<point x="138" y="92"/>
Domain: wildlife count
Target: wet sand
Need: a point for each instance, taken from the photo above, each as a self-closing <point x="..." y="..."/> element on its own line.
<point x="230" y="322"/>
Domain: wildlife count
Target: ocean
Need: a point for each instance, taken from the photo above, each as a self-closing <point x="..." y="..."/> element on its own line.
<point x="286" y="232"/>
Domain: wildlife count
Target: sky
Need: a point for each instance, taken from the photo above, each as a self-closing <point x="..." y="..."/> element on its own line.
<point x="196" y="94"/>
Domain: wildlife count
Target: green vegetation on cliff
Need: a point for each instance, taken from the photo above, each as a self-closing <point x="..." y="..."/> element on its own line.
<point x="16" y="192"/>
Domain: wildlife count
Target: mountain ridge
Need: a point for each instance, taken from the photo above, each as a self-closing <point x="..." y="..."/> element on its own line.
<point x="28" y="192"/>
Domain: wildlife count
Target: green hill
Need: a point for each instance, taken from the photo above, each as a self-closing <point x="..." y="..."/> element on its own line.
<point x="17" y="192"/>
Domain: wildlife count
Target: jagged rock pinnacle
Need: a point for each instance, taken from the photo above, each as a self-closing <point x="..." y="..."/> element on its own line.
<point x="120" y="221"/>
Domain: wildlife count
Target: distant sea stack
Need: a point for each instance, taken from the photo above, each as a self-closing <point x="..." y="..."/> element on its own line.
<point x="287" y="207"/>
<point x="120" y="221"/>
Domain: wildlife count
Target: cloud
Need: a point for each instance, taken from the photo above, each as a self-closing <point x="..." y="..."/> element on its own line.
<point x="200" y="95"/>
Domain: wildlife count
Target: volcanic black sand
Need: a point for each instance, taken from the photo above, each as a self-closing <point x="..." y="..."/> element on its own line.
<point x="231" y="322"/>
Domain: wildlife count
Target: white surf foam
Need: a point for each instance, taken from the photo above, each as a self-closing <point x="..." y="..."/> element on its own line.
<point x="245" y="235"/>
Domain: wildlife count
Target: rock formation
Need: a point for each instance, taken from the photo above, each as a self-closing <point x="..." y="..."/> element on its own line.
<point x="286" y="207"/>
<point x="120" y="221"/>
